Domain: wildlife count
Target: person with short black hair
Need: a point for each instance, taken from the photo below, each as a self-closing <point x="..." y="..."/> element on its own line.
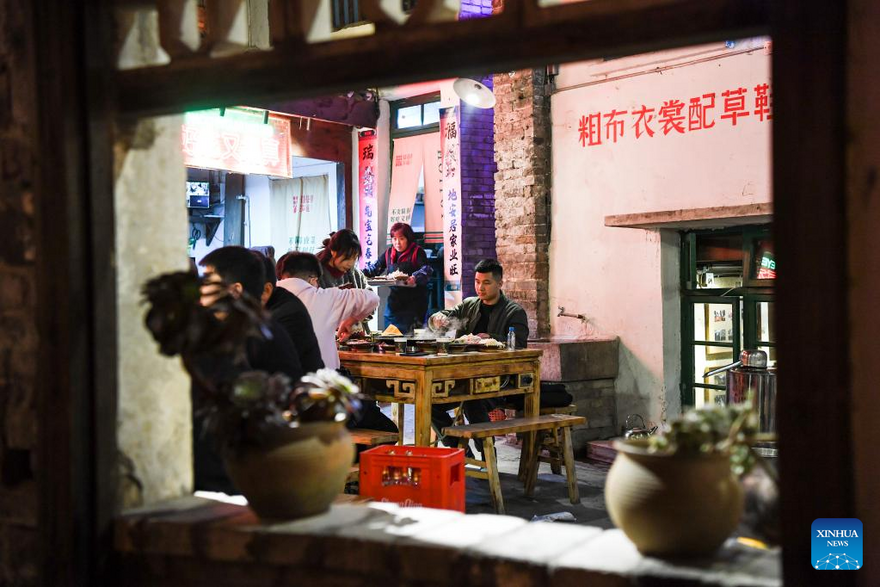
<point x="489" y="314"/>
<point x="330" y="309"/>
<point x="293" y="316"/>
<point x="240" y="271"/>
<point x="407" y="305"/>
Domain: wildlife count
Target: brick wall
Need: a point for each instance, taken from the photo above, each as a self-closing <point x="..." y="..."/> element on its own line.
<point x="522" y="191"/>
<point x="477" y="188"/>
<point x="18" y="332"/>
<point x="474" y="9"/>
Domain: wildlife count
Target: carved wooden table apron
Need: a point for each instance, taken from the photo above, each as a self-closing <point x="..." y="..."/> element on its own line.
<point x="446" y="379"/>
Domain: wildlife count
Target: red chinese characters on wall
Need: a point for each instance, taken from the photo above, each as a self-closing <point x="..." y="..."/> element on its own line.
<point x="732" y="107"/>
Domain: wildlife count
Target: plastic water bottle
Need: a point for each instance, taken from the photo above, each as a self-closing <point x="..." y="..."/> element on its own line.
<point x="511" y="339"/>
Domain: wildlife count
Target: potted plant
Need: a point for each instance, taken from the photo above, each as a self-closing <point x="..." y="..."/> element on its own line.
<point x="284" y="444"/>
<point x="678" y="493"/>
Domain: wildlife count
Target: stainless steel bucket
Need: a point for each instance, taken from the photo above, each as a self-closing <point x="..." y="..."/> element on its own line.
<point x="752" y="379"/>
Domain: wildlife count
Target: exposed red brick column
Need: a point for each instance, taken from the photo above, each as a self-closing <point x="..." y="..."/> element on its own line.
<point x="522" y="191"/>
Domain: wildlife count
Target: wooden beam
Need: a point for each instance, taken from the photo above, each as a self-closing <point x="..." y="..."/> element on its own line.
<point x="77" y="385"/>
<point x="352" y="111"/>
<point x="600" y="28"/>
<point x="714" y="217"/>
<point x="812" y="317"/>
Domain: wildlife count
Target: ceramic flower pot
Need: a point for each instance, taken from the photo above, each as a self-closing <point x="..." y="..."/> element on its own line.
<point x="298" y="476"/>
<point x="672" y="505"/>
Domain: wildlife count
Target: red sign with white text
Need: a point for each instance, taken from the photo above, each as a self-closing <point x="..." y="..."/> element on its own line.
<point x="242" y="141"/>
<point x="367" y="195"/>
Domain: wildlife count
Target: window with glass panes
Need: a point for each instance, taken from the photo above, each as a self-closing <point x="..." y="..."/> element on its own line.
<point x="416" y="115"/>
<point x="727" y="305"/>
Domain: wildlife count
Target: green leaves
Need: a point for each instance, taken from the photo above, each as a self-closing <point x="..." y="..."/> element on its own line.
<point x="238" y="406"/>
<point x="711" y="430"/>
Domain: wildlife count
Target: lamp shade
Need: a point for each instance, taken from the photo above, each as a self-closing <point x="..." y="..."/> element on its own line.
<point x="474" y="93"/>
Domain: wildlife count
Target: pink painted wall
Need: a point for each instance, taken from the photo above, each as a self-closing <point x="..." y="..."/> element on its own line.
<point x="626" y="280"/>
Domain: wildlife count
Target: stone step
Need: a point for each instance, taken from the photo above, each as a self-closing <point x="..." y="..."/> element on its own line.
<point x="601" y="450"/>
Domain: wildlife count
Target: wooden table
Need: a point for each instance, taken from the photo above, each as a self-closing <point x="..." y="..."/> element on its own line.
<point x="446" y="379"/>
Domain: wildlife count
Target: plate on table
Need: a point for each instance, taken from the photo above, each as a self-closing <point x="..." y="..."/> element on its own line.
<point x="416" y="354"/>
<point x="455" y="348"/>
<point x="489" y="349"/>
<point x="359" y="346"/>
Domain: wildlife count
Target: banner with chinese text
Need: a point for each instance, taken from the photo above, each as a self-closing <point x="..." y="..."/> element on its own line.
<point x="242" y="141"/>
<point x="450" y="193"/>
<point x="367" y="196"/>
<point x="433" y="186"/>
<point x="406" y="168"/>
<point x="300" y="214"/>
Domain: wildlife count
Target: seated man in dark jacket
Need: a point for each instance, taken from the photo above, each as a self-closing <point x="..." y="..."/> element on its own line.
<point x="488" y="314"/>
<point x="242" y="272"/>
<point x="293" y="316"/>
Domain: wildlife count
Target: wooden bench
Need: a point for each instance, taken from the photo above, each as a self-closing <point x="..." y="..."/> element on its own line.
<point x="553" y="443"/>
<point x="367" y="437"/>
<point x="541" y="426"/>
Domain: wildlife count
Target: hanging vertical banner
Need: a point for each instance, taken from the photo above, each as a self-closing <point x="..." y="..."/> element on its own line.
<point x="451" y="190"/>
<point x="300" y="213"/>
<point x="367" y="195"/>
<point x="433" y="186"/>
<point x="406" y="167"/>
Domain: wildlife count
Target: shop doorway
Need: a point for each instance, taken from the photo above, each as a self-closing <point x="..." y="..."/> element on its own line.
<point x="728" y="304"/>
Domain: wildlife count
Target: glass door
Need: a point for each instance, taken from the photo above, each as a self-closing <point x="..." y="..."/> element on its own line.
<point x="758" y="319"/>
<point x="716" y="326"/>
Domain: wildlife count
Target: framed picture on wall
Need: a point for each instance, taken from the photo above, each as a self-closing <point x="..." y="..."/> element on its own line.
<point x="719" y="328"/>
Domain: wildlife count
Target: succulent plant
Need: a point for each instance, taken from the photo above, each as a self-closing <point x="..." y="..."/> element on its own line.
<point x="729" y="429"/>
<point x="240" y="407"/>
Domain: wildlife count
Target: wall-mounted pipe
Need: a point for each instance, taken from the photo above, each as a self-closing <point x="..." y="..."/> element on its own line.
<point x="563" y="313"/>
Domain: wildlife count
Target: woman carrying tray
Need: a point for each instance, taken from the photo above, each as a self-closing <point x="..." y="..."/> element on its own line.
<point x="408" y="303"/>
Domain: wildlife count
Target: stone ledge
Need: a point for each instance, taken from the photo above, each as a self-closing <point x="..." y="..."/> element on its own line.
<point x="578" y="360"/>
<point x="192" y="540"/>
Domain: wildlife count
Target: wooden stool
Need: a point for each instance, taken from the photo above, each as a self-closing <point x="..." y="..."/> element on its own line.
<point x="367" y="437"/>
<point x="540" y="425"/>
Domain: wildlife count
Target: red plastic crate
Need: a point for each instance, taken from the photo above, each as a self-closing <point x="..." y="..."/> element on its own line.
<point x="414" y="476"/>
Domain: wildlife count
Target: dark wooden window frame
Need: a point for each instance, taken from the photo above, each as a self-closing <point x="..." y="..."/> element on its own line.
<point x="421" y="100"/>
<point x="75" y="247"/>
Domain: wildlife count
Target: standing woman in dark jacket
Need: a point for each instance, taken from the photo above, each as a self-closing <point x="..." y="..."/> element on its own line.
<point x="407" y="305"/>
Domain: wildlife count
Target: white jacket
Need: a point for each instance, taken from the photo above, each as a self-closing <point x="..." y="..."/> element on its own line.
<point x="328" y="308"/>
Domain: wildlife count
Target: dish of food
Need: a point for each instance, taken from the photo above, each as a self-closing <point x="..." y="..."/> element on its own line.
<point x="392" y="330"/>
<point x="398" y="275"/>
<point x="359" y="346"/>
<point x="454" y="347"/>
<point x="468" y="339"/>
